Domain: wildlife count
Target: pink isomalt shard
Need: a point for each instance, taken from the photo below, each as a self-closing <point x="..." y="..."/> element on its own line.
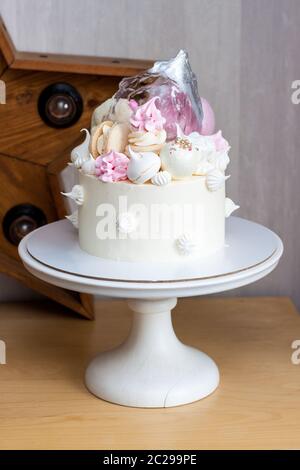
<point x="175" y="85"/>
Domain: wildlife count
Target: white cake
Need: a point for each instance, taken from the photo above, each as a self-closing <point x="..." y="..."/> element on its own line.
<point x="150" y="241"/>
<point x="143" y="192"/>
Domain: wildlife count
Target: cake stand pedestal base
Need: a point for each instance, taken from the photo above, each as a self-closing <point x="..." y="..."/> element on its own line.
<point x="152" y="368"/>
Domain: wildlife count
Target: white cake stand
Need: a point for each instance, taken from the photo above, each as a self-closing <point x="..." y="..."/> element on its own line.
<point x="152" y="368"/>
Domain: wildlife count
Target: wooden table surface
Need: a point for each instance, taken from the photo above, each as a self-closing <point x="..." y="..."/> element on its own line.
<point x="44" y="404"/>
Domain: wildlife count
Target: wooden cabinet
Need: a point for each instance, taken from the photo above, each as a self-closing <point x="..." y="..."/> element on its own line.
<point x="33" y="153"/>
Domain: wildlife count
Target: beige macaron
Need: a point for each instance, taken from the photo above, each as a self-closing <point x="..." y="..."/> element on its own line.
<point x="99" y="134"/>
<point x="117" y="138"/>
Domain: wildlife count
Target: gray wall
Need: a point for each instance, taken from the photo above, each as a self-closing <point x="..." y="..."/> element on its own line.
<point x="244" y="53"/>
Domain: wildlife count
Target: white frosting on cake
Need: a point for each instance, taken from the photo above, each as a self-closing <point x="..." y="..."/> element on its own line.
<point x="145" y="238"/>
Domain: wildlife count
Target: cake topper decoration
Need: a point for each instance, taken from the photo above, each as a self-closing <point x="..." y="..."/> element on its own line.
<point x="179" y="70"/>
<point x="176" y="86"/>
<point x="155" y="121"/>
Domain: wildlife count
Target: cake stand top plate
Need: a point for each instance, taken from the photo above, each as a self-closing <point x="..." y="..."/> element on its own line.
<point x="53" y="254"/>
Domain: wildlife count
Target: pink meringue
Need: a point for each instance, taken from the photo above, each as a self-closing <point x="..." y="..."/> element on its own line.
<point x="133" y="104"/>
<point x="147" y="117"/>
<point x="208" y="121"/>
<point x="111" y="167"/>
<point x="221" y="144"/>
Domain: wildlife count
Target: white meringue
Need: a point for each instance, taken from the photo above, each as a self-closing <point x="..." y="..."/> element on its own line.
<point x="142" y="166"/>
<point x="204" y="152"/>
<point x="88" y="167"/>
<point x="144" y="138"/>
<point x="203" y="145"/>
<point x="208" y="158"/>
<point x="161" y="178"/>
<point x="230" y="207"/>
<point x="222" y="161"/>
<point x="215" y="180"/>
<point x="203" y="168"/>
<point x="127" y="222"/>
<point x="73" y="218"/>
<point x="186" y="244"/>
<point x="80" y="153"/>
<point x="76" y="193"/>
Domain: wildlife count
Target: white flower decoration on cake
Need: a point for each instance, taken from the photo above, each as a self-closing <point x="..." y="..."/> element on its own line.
<point x="230" y="207"/>
<point x="73" y="218"/>
<point x="215" y="180"/>
<point x="161" y="178"/>
<point x="81" y="153"/>
<point x="186" y="244"/>
<point x="127" y="222"/>
<point x="77" y="194"/>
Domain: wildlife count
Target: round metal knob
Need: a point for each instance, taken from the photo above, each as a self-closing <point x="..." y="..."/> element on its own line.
<point x="60" y="105"/>
<point x="21" y="220"/>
